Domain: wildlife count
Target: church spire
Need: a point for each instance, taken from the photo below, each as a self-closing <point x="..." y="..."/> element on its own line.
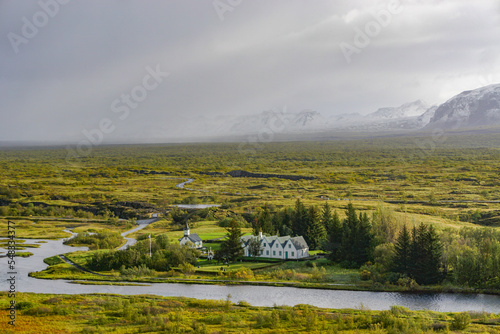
<point x="186" y="230"/>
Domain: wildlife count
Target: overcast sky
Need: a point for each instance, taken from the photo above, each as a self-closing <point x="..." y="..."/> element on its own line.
<point x="65" y="68"/>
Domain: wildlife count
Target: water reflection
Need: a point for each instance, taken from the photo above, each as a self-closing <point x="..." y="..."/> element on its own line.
<point x="255" y="295"/>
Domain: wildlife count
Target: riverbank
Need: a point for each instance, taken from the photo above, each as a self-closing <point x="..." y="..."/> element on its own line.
<point x="71" y="267"/>
<point x="90" y="313"/>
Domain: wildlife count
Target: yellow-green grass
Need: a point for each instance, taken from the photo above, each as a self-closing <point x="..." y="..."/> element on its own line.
<point x="212" y="266"/>
<point x="82" y="257"/>
<point x="31" y="230"/>
<point x="24" y="254"/>
<point x="121" y="226"/>
<point x="212" y="245"/>
<point x="58" y="314"/>
<point x="334" y="273"/>
<point x="206" y="230"/>
<point x="53" y="229"/>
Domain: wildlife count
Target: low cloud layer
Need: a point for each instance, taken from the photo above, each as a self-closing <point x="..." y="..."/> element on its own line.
<point x="66" y="63"/>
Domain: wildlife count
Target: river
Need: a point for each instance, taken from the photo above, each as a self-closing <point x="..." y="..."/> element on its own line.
<point x="255" y="295"/>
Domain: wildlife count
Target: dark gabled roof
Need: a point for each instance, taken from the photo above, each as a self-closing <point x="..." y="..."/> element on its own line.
<point x="192" y="237"/>
<point x="299" y="243"/>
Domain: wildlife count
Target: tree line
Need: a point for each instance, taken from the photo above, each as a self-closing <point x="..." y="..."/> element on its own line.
<point x="381" y="241"/>
<point x="164" y="255"/>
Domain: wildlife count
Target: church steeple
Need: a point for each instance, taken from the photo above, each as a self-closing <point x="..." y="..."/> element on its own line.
<point x="186" y="230"/>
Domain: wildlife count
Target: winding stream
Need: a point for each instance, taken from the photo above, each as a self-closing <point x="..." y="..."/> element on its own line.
<point x="255" y="295"/>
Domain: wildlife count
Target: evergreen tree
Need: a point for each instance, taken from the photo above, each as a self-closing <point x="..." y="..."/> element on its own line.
<point x="315" y="230"/>
<point x="349" y="231"/>
<point x="265" y="221"/>
<point x="418" y="253"/>
<point x="286" y="222"/>
<point x="299" y="219"/>
<point x="402" y="257"/>
<point x="363" y="241"/>
<point x="231" y="248"/>
<point x="326" y="217"/>
<point x="276" y="223"/>
<point x="356" y="246"/>
<point x="420" y="257"/>
<point x="432" y="261"/>
<point x="334" y="237"/>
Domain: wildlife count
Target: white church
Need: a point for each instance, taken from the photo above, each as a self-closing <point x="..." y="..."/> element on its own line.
<point x="278" y="247"/>
<point x="191" y="238"/>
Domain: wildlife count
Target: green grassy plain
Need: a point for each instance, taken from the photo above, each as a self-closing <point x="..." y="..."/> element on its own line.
<point x="99" y="313"/>
<point x="451" y="183"/>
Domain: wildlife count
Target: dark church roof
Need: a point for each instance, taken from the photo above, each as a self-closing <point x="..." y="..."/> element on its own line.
<point x="193" y="238"/>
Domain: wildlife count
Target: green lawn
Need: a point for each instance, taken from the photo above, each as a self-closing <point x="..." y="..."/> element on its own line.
<point x="206" y="230"/>
<point x="214" y="267"/>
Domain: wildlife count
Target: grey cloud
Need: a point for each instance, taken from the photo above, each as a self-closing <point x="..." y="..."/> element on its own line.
<point x="263" y="55"/>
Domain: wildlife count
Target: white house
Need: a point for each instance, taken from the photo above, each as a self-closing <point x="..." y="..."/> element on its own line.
<point x="278" y="247"/>
<point x="194" y="239"/>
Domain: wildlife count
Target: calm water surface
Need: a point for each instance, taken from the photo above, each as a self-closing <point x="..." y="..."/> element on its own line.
<point x="255" y="295"/>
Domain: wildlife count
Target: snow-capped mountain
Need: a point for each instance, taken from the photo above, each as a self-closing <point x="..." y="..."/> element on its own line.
<point x="471" y="108"/>
<point x="468" y="109"/>
<point x="412" y="109"/>
<point x="278" y="121"/>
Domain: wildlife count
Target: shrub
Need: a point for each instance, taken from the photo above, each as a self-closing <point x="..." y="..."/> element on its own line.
<point x="400" y="310"/>
<point x="408" y="283"/>
<point x="365" y="275"/>
<point x="460" y="321"/>
<point x="243" y="303"/>
<point x="39" y="311"/>
<point x="242" y="274"/>
<point x="318" y="274"/>
<point x="141" y="270"/>
<point x="24" y="305"/>
<point x="187" y="268"/>
<point x="439" y="327"/>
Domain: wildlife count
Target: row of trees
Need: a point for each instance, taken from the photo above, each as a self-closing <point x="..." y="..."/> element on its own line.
<point x="472" y="257"/>
<point x="351" y="240"/>
<point x="418" y="254"/>
<point x="297" y="221"/>
<point x="358" y="239"/>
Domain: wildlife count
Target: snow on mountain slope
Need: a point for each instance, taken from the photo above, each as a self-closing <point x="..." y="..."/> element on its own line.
<point x="278" y="121"/>
<point x="411" y="109"/>
<point x="471" y="108"/>
<point x="468" y="109"/>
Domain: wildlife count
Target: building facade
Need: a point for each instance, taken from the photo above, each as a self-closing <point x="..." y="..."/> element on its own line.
<point x="278" y="247"/>
<point x="191" y="238"/>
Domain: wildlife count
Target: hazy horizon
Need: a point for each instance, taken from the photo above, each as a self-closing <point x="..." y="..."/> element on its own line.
<point x="139" y="71"/>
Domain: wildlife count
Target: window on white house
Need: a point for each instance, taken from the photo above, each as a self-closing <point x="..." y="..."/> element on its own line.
<point x="289" y="246"/>
<point x="267" y="252"/>
<point x="280" y="253"/>
<point x="274" y="252"/>
<point x="264" y="244"/>
<point x="293" y="253"/>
